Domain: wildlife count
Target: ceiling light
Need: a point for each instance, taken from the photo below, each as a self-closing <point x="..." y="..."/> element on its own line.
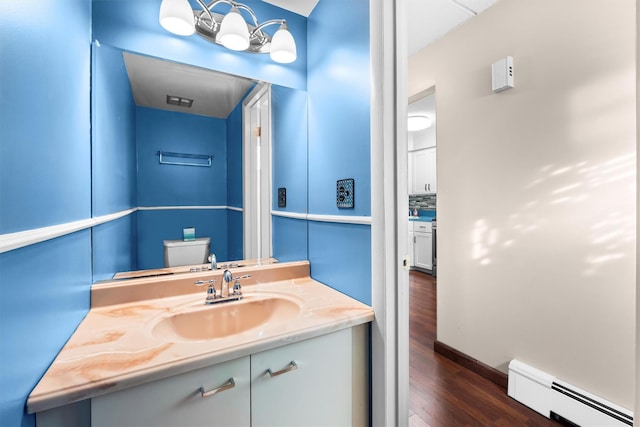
<point x="416" y="123"/>
<point x="234" y="33"/>
<point x="283" y="47"/>
<point x="176" y="16"/>
<point x="230" y="30"/>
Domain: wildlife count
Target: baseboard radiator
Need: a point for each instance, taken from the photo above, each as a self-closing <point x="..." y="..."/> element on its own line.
<point x="558" y="400"/>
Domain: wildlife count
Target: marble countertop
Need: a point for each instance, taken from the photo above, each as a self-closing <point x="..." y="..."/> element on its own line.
<point x="116" y="346"/>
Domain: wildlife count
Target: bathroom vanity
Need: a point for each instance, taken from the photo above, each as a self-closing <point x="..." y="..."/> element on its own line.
<point x="291" y="352"/>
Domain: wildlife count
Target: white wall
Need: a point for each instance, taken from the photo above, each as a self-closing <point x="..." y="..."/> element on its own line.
<point x="537" y="187"/>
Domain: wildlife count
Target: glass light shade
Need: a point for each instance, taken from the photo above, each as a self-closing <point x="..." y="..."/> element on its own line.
<point x="283" y="46"/>
<point x="176" y="17"/>
<point x="234" y="33"/>
<point x="416" y="123"/>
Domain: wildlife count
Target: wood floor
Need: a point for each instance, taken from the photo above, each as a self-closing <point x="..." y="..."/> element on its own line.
<point x="443" y="393"/>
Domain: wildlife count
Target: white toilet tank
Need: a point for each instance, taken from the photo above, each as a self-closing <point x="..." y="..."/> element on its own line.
<point x="181" y="252"/>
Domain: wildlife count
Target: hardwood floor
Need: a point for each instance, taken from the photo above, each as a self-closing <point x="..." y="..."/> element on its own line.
<point x="443" y="393"/>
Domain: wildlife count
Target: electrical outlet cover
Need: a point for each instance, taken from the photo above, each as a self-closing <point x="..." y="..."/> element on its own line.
<point x="282" y="197"/>
<point x="345" y="193"/>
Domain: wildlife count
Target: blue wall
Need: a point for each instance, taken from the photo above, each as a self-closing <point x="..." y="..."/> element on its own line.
<point x="113" y="171"/>
<point x="45" y="114"/>
<point x="113" y="133"/>
<point x="115" y="247"/>
<point x="45" y="179"/>
<point x="289" y="170"/>
<point x="174" y="185"/>
<point x="234" y="184"/>
<point x="339" y="142"/>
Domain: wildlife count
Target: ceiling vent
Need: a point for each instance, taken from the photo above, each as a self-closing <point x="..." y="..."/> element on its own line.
<point x="179" y="101"/>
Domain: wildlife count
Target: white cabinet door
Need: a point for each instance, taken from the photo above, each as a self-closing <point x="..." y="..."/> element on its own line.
<point x="423" y="165"/>
<point x="432" y="181"/>
<point x="410" y="244"/>
<point x="423" y="250"/>
<point x="410" y="177"/>
<point x="311" y="383"/>
<point x="177" y="401"/>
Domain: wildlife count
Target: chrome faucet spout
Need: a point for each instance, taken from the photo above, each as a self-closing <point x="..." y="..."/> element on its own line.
<point x="227" y="277"/>
<point x="213" y="261"/>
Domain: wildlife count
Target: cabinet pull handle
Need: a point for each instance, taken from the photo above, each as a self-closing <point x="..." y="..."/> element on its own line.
<point x="226" y="386"/>
<point x="292" y="367"/>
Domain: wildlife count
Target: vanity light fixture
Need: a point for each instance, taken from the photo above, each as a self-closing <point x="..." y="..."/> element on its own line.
<point x="418" y="122"/>
<point x="231" y="30"/>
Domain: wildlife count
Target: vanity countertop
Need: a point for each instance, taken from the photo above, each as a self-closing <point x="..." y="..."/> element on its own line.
<point x="190" y="268"/>
<point x="115" y="346"/>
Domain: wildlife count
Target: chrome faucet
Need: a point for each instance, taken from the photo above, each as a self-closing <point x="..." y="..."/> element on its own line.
<point x="226" y="279"/>
<point x="213" y="261"/>
<point x="224" y="294"/>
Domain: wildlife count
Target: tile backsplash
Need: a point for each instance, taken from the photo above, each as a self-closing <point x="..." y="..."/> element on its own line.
<point x="422" y="201"/>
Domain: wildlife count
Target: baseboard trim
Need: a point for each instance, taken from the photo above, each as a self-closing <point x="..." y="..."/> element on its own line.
<point x="485" y="371"/>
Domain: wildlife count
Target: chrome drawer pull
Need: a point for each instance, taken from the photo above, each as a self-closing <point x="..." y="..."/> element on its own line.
<point x="226" y="386"/>
<point x="292" y="367"/>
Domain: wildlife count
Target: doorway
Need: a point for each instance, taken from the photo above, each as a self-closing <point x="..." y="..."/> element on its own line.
<point x="256" y="154"/>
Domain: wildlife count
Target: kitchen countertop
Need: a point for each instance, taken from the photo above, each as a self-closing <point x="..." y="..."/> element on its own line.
<point x="421" y="218"/>
<point x="116" y="346"/>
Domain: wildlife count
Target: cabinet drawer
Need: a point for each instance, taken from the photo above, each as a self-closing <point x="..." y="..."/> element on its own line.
<point x="422" y="227"/>
<point x="177" y="401"/>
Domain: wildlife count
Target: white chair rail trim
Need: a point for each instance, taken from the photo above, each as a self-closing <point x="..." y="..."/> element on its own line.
<point x="20" y="239"/>
<point x="11" y="241"/>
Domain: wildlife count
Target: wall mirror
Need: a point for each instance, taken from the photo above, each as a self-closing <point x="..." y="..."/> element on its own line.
<point x="167" y="154"/>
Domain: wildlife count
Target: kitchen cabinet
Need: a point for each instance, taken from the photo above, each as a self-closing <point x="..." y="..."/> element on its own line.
<point x="410" y="245"/>
<point x="422" y="245"/>
<point x="423" y="176"/>
<point x="320" y="381"/>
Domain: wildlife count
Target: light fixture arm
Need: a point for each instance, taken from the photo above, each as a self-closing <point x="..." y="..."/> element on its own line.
<point x="205" y="10"/>
<point x="267" y="23"/>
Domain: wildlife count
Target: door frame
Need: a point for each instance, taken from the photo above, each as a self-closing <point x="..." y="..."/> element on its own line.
<point x="256" y="183"/>
<point x="389" y="207"/>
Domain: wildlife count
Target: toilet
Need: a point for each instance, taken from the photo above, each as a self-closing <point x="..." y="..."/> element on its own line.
<point x="186" y="252"/>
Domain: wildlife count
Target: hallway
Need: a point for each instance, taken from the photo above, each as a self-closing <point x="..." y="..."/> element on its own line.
<point x="443" y="393"/>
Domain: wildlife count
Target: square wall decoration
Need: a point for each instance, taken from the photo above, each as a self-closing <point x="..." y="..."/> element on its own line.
<point x="345" y="196"/>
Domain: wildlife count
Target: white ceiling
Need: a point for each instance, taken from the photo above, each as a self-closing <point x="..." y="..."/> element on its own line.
<point x="214" y="94"/>
<point x="427" y="20"/>
<point x="301" y="7"/>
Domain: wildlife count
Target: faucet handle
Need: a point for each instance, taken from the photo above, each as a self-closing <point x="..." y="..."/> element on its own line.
<point x="204" y="282"/>
<point x="237" y="289"/>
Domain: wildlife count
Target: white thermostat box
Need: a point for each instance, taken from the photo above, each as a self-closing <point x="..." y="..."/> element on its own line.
<point x="502" y="74"/>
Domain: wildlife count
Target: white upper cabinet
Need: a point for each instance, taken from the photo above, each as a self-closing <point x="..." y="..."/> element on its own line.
<point x="423" y="167"/>
<point x="422" y="147"/>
